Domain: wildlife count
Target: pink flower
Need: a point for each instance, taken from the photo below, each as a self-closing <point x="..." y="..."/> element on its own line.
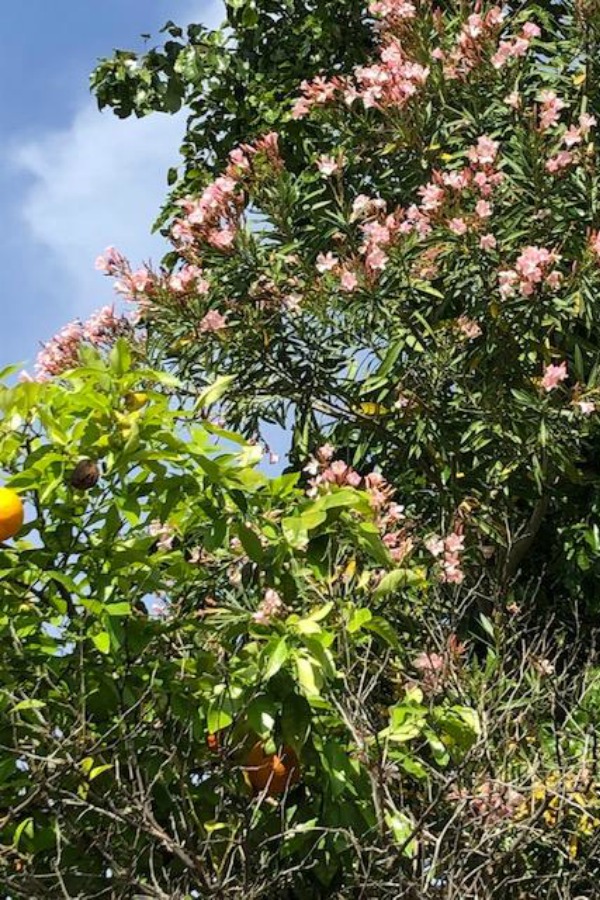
<point x="392" y="9"/>
<point x="429" y="662"/>
<point x="586" y="122"/>
<point x="376" y="260"/>
<point x="559" y="162"/>
<point x="586" y="407"/>
<point x="432" y="197"/>
<point x="488" y="242"/>
<point x="531" y="30"/>
<point x="513" y="100"/>
<point x="457" y="226"/>
<point x="221" y="238"/>
<point x="550" y="109"/>
<point x="327" y="165"/>
<point x="111" y="261"/>
<point x="485" y="152"/>
<point x="212" y="321"/>
<point x="468" y="327"/>
<point x="483" y="209"/>
<point x="435" y="545"/>
<point x="271" y="607"/>
<point x="553" y="375"/>
<point x="348" y="281"/>
<point x="326" y="262"/>
<point x="572" y="136"/>
<point x="595" y="243"/>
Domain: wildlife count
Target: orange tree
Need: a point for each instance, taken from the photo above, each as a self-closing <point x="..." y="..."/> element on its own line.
<point x="165" y="608"/>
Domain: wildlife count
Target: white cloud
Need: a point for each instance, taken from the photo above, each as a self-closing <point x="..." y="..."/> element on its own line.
<point x="99" y="181"/>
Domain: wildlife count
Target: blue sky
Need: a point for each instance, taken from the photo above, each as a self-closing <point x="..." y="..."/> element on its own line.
<point x="73" y="180"/>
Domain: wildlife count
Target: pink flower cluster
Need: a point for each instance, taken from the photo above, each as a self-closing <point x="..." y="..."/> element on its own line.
<point x="435" y="668"/>
<point x="390" y="82"/>
<point x="214" y="217"/>
<point x="533" y="270"/>
<point x="448" y="552"/>
<point x="439" y="196"/>
<point x="62" y="352"/>
<point x="554" y="375"/>
<point x="477" y="35"/>
<point x="378" y="234"/>
<point x="550" y="109"/>
<point x="517" y="46"/>
<point x="271" y="607"/>
<point x="327" y="472"/>
<point x="142" y="285"/>
<point x="392" y="13"/>
<point x="212" y="321"/>
<point x="468" y="327"/>
<point x="492" y="802"/>
<point x="572" y="137"/>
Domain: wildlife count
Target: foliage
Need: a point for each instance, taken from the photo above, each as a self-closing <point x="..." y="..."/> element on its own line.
<point x="385" y="241"/>
<point x="409" y="271"/>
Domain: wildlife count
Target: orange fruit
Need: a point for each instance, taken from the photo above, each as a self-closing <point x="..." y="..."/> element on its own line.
<point x="213" y="742"/>
<point x="273" y="772"/>
<point x="11" y="513"/>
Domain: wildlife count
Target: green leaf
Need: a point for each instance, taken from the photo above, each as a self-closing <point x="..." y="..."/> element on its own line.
<point x="214" y="391"/>
<point x="28" y="704"/>
<point x="309" y="678"/>
<point x="275" y="658"/>
<point x="118" y="609"/>
<point x="400" y="578"/>
<point x="359" y="618"/>
<point x="102" y="641"/>
<point x="26" y="827"/>
<point x="217" y="719"/>
<point x="251" y="544"/>
<point x="382" y="628"/>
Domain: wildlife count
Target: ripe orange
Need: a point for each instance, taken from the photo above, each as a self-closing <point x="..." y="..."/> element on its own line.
<point x="213" y="742"/>
<point x="273" y="772"/>
<point x="11" y="513"/>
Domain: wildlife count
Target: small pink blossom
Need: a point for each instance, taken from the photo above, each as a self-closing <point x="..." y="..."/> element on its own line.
<point x="457" y="226"/>
<point x="572" y="136"/>
<point x="271" y="607"/>
<point x="561" y="161"/>
<point x="348" y="281"/>
<point x="513" y="100"/>
<point x="531" y="30"/>
<point x="376" y="260"/>
<point x="483" y="209"/>
<point x="327" y="165"/>
<point x="432" y="197"/>
<point x="488" y="242"/>
<point x="485" y="151"/>
<point x="586" y="407"/>
<point x="586" y="122"/>
<point x="326" y="262"/>
<point x="550" y="109"/>
<point x="553" y="375"/>
<point x="469" y="327"/>
<point x="111" y="261"/>
<point x="212" y="321"/>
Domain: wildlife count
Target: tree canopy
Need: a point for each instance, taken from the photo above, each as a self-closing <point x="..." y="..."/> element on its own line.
<point x="375" y="674"/>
